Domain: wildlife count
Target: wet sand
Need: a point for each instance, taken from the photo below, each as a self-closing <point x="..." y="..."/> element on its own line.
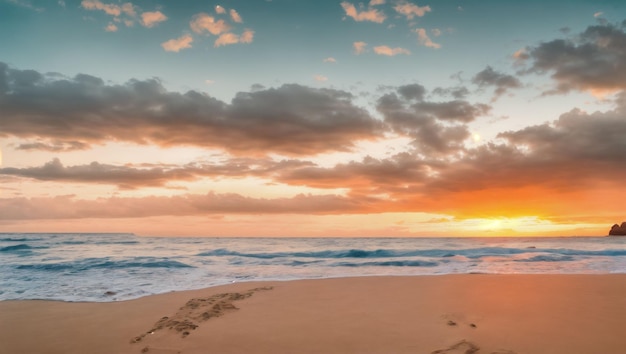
<point x="448" y="314"/>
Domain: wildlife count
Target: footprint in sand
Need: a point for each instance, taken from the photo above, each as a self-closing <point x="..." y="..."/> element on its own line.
<point x="198" y="310"/>
<point x="466" y="347"/>
<point x="462" y="347"/>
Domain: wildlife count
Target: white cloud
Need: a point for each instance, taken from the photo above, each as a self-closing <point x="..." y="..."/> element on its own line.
<point x="150" y="19"/>
<point x="359" y="47"/>
<point x="111" y="27"/>
<point x="385" y="50"/>
<point x="176" y="45"/>
<point x="202" y="23"/>
<point x="598" y="14"/>
<point x="219" y="9"/>
<point x="411" y="10"/>
<point x="320" y="78"/>
<point x="377" y="2"/>
<point x="235" y="16"/>
<point x="209" y="82"/>
<point x="372" y="15"/>
<point x="424" y="40"/>
<point x="330" y="60"/>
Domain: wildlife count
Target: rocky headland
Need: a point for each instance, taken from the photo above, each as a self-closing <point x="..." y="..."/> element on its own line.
<point x="618" y="230"/>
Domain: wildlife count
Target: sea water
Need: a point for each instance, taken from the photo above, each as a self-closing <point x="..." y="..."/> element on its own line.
<point x="113" y="267"/>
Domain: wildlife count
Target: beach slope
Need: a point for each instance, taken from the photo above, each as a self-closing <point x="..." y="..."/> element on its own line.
<point x="474" y="313"/>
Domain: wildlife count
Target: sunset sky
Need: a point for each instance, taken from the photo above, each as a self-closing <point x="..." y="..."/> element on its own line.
<point x="313" y="118"/>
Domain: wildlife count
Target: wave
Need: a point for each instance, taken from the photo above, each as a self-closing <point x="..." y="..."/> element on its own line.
<point x="20" y="247"/>
<point x="547" y="258"/>
<point x="387" y="264"/>
<point x="103" y="263"/>
<point x="471" y="253"/>
<point x="21" y="239"/>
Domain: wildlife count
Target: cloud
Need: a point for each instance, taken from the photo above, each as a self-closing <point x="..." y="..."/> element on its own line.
<point x="594" y="61"/>
<point x="226" y="39"/>
<point x="501" y="82"/>
<point x="520" y="55"/>
<point x="424" y="40"/>
<point x="437" y="128"/>
<point x="111" y="27"/>
<point x="329" y="60"/>
<point x="410" y="10"/>
<point x="372" y="15"/>
<point x="598" y="14"/>
<point x="176" y="45"/>
<point x="53" y="146"/>
<point x="68" y="207"/>
<point x="27" y="5"/>
<point x="377" y="2"/>
<point x="367" y="176"/>
<point x="152" y="175"/>
<point x="203" y="23"/>
<point x="385" y="50"/>
<point x="320" y="78"/>
<point x="219" y="9"/>
<point x="291" y="119"/>
<point x="359" y="47"/>
<point x="247" y="36"/>
<point x="458" y="92"/>
<point x="234" y="15"/>
<point x="230" y="38"/>
<point x="151" y="19"/>
<point x="129" y="9"/>
<point x="109" y="9"/>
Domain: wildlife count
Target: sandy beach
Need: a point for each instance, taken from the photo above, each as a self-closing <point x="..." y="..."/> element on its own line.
<point x="484" y="314"/>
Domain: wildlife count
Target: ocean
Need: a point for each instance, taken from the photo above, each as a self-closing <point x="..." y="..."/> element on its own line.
<point x="114" y="267"/>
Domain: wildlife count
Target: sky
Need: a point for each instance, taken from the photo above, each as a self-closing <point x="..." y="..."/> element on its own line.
<point x="297" y="118"/>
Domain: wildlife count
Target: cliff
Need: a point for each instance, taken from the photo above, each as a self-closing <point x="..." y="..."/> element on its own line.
<point x="618" y="230"/>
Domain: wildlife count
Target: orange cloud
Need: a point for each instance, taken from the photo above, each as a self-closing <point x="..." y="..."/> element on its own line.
<point x="388" y="51"/>
<point x="410" y="10"/>
<point x="178" y="44"/>
<point x="109" y="9"/>
<point x="234" y="15"/>
<point x="203" y="23"/>
<point x="424" y="40"/>
<point x="372" y="15"/>
<point x="359" y="47"/>
<point x="151" y="19"/>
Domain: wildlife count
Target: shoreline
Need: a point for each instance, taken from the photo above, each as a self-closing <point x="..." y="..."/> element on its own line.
<point x="454" y="313"/>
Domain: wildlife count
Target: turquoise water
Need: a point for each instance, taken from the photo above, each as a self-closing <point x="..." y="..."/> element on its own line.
<point x="113" y="267"/>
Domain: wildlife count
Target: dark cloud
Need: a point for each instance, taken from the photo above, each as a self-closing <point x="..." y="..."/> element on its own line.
<point x="53" y="146"/>
<point x="152" y="175"/>
<point x="291" y="119"/>
<point x="437" y="127"/>
<point x="593" y="60"/>
<point x="458" y="92"/>
<point x="370" y="175"/>
<point x="499" y="81"/>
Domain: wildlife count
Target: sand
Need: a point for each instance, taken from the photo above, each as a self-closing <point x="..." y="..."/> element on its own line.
<point x="449" y="314"/>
